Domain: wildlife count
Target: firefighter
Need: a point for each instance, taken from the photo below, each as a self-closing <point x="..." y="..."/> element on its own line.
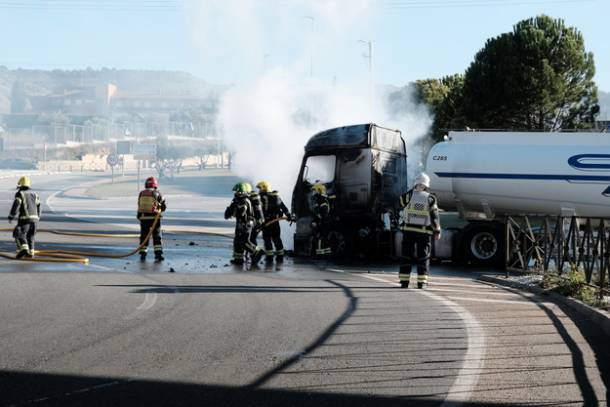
<point x="321" y="219"/>
<point x="273" y="209"/>
<point x="241" y="209"/>
<point x="419" y="222"/>
<point x="26" y="208"/>
<point x="259" y="217"/>
<point x="150" y="204"/>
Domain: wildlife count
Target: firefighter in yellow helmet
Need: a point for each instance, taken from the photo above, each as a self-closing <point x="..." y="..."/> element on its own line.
<point x="273" y="209"/>
<point x="26" y="209"/>
<point x="150" y="204"/>
<point x="321" y="209"/>
<point x="241" y="209"/>
<point x="419" y="222"/>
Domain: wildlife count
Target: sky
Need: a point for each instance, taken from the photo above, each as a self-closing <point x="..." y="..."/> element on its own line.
<point x="234" y="41"/>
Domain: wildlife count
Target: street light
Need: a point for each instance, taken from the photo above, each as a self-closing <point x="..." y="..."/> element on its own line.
<point x="312" y="20"/>
<point x="369" y="56"/>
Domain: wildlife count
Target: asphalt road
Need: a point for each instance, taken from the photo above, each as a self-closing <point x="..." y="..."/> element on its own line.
<point x="122" y="332"/>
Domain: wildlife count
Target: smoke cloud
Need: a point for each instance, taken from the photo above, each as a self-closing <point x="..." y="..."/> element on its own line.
<point x="273" y="109"/>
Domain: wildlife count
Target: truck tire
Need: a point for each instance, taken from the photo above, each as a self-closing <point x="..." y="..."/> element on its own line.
<point x="483" y="244"/>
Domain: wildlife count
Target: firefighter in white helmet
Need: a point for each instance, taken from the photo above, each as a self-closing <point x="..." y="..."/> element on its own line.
<point x="419" y="222"/>
<point x="26" y="209"/>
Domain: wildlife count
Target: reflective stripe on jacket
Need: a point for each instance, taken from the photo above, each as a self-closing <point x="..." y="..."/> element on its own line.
<point x="26" y="206"/>
<point x="150" y="204"/>
<point x="419" y="212"/>
<point x="273" y="206"/>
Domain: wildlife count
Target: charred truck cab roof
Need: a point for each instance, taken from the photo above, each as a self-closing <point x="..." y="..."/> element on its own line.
<point x="364" y="170"/>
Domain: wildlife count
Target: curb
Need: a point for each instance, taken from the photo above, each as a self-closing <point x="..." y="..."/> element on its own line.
<point x="599" y="317"/>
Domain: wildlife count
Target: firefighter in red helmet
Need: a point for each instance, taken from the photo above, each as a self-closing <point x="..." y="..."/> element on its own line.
<point x="150" y="204"/>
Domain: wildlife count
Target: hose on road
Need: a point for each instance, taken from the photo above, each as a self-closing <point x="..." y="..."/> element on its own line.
<point x="77" y="256"/>
<point x="82" y="257"/>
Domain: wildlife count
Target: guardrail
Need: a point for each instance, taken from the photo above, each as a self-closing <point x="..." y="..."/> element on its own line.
<point x="560" y="244"/>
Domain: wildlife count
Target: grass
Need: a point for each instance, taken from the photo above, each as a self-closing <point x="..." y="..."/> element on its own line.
<point x="573" y="284"/>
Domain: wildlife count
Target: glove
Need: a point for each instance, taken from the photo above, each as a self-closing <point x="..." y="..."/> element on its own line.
<point x="10" y="220"/>
<point x="437" y="235"/>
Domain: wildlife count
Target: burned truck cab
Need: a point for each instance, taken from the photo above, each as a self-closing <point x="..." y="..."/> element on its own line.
<point x="364" y="170"/>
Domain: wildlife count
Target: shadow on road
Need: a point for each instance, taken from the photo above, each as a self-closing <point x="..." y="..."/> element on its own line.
<point x="39" y="389"/>
<point x="596" y="339"/>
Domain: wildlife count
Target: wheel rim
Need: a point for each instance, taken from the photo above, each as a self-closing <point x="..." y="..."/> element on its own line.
<point x="484" y="246"/>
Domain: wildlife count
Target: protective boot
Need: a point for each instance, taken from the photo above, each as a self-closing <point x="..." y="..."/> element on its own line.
<point x="257" y="256"/>
<point x="143" y="256"/>
<point x="422" y="285"/>
<point x="404" y="284"/>
<point x="21" y="254"/>
<point x="237" y="262"/>
<point x="279" y="259"/>
<point x="268" y="260"/>
<point x="159" y="257"/>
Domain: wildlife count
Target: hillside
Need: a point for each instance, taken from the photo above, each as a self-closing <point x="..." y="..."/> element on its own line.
<point x="40" y="82"/>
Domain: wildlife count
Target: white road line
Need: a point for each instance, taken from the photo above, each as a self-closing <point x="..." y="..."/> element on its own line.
<point x="149" y="301"/>
<point x="516" y="302"/>
<point x="49" y="198"/>
<point x="482" y="292"/>
<point x="468" y="376"/>
<point x="481" y="286"/>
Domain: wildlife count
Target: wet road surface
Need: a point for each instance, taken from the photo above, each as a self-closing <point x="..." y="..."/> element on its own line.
<point x="125" y="332"/>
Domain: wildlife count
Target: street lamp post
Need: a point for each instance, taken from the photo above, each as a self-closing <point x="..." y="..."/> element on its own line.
<point x="312" y="20"/>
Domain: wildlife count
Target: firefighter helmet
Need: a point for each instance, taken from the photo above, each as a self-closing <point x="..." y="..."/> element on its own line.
<point x="248" y="187"/>
<point x="240" y="189"/>
<point x="319" y="188"/>
<point x="151" y="182"/>
<point x="264" y="186"/>
<point x="24" y="182"/>
<point x="422" y="179"/>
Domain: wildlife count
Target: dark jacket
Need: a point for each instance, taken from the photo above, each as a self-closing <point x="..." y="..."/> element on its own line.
<point x="273" y="206"/>
<point x="150" y="203"/>
<point x="435" y="225"/>
<point x="26" y="206"/>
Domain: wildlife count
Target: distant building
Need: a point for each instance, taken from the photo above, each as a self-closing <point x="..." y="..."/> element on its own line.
<point x="108" y="100"/>
<point x="83" y="101"/>
<point x="131" y="102"/>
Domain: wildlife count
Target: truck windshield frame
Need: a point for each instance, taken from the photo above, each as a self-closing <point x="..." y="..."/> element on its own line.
<point x="320" y="168"/>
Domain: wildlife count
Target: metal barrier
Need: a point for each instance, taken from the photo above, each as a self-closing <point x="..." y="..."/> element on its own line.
<point x="560" y="244"/>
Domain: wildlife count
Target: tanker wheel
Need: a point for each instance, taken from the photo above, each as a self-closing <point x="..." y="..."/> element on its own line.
<point x="484" y="245"/>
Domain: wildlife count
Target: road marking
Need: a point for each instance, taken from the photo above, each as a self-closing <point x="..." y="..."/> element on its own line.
<point x="517" y="302"/>
<point x="74" y="392"/>
<point x="48" y="200"/>
<point x="482" y="292"/>
<point x="149" y="301"/>
<point x="468" y="376"/>
<point x="482" y="286"/>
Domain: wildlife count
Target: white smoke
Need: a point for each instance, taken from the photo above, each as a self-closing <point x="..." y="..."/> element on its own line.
<point x="268" y="116"/>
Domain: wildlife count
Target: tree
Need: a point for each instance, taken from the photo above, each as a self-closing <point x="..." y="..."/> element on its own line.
<point x="170" y="157"/>
<point x="538" y="76"/>
<point x="445" y="99"/>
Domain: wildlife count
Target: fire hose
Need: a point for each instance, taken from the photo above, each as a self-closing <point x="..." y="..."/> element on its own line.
<point x="82" y="257"/>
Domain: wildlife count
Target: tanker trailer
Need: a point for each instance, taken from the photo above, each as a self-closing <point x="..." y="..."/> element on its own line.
<point x="485" y="176"/>
<point x="364" y="169"/>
